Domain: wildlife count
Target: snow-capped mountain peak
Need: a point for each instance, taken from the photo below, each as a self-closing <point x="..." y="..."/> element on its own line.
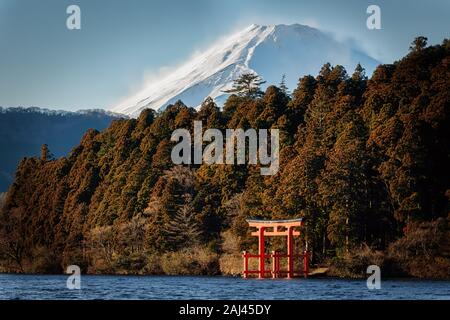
<point x="270" y="51"/>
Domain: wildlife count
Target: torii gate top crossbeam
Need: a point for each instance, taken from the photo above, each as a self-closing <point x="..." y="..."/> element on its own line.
<point x="276" y="225"/>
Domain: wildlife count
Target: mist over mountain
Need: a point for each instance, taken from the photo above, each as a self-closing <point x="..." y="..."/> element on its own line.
<point x="269" y="51"/>
<point x="24" y="130"/>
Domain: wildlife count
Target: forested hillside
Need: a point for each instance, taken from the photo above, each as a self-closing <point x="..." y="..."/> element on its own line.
<point x="24" y="130"/>
<point x="365" y="161"/>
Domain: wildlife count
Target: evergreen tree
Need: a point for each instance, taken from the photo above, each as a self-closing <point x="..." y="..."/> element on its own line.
<point x="247" y="85"/>
<point x="357" y="84"/>
<point x="418" y="44"/>
<point x="46" y="155"/>
<point x="344" y="187"/>
<point x="184" y="230"/>
<point x="359" y="74"/>
<point x="283" y="86"/>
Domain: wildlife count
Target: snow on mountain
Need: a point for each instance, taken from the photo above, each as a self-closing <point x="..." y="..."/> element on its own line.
<point x="270" y="51"/>
<point x="62" y="113"/>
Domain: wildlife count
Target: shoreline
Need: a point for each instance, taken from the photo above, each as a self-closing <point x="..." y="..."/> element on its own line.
<point x="321" y="276"/>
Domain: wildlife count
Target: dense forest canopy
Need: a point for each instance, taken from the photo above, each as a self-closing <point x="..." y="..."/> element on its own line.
<point x="365" y="161"/>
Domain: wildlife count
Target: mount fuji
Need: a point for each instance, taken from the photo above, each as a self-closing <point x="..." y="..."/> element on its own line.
<point x="269" y="51"/>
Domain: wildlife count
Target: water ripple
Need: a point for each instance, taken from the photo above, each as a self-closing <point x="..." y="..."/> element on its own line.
<point x="43" y="287"/>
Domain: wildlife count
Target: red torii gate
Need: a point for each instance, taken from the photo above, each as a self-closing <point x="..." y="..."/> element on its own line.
<point x="278" y="228"/>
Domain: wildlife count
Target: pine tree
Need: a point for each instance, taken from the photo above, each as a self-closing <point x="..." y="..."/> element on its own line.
<point x="343" y="186"/>
<point x="184" y="230"/>
<point x="46" y="155"/>
<point x="359" y="74"/>
<point x="210" y="114"/>
<point x="418" y="44"/>
<point x="283" y="86"/>
<point x="2" y="199"/>
<point x="357" y="83"/>
<point x="247" y="85"/>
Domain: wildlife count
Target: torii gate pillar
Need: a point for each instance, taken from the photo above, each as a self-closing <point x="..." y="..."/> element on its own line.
<point x="290" y="253"/>
<point x="261" y="252"/>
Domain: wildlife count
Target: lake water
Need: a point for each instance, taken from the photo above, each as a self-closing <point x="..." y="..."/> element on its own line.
<point x="165" y="287"/>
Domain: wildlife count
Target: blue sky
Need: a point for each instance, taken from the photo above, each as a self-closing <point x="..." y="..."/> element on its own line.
<point x="44" y="64"/>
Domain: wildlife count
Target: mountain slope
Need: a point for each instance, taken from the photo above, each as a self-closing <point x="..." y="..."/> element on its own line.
<point x="24" y="130"/>
<point x="270" y="51"/>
